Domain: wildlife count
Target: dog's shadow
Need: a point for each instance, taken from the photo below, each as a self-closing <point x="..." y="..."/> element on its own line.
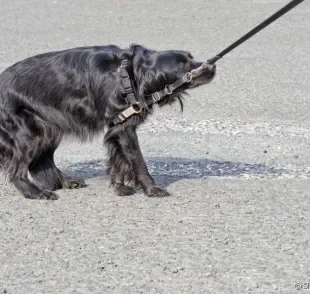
<point x="167" y="170"/>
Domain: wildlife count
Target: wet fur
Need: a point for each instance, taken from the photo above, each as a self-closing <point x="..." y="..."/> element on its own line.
<point x="78" y="92"/>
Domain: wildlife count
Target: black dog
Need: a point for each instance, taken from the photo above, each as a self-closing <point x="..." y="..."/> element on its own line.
<point x="80" y="92"/>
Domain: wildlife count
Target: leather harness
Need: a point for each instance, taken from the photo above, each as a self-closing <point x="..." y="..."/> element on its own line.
<point x="129" y="93"/>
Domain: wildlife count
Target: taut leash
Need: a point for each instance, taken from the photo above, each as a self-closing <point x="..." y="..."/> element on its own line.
<point x="254" y="31"/>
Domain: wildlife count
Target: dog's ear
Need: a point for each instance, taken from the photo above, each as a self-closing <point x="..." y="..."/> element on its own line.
<point x="142" y="72"/>
<point x="147" y="76"/>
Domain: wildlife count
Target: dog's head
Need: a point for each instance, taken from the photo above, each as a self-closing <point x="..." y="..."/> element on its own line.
<point x="154" y="70"/>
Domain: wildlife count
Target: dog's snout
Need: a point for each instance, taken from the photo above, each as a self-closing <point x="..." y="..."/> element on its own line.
<point x="209" y="66"/>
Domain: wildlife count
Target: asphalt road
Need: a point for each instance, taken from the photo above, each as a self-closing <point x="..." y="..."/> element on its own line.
<point x="237" y="161"/>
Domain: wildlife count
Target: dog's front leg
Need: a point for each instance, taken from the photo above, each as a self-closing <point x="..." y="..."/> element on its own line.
<point x="128" y="146"/>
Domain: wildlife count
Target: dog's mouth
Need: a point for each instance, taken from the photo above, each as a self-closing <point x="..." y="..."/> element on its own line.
<point x="204" y="76"/>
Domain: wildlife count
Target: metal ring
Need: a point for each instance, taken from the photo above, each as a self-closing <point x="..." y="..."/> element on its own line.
<point x="189" y="77"/>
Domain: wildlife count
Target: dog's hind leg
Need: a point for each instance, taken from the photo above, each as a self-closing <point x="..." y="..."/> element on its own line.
<point x="28" y="189"/>
<point x="18" y="174"/>
<point x="47" y="176"/>
<point x="17" y="147"/>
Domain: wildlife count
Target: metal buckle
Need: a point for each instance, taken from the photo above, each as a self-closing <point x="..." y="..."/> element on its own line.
<point x="154" y="98"/>
<point x="134" y="108"/>
<point x="188" y="77"/>
<point x="119" y="119"/>
<point x="124" y="63"/>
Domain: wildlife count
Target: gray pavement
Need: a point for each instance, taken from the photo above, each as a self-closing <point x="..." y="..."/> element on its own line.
<point x="237" y="161"/>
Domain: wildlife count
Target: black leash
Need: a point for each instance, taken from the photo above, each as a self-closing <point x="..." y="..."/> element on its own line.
<point x="254" y="31"/>
<point x="134" y="107"/>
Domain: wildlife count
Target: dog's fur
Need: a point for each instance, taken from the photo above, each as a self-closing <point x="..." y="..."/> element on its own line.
<point x="78" y="92"/>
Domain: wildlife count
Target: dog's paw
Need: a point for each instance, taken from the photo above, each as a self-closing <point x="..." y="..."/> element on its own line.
<point x="73" y="183"/>
<point x="43" y="195"/>
<point x="157" y="192"/>
<point x="123" y="190"/>
<point x="49" y="195"/>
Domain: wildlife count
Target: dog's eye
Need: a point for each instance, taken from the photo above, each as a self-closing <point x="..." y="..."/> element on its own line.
<point x="182" y="64"/>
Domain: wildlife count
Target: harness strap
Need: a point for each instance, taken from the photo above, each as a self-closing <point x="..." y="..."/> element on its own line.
<point x="157" y="96"/>
<point x="128" y="91"/>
